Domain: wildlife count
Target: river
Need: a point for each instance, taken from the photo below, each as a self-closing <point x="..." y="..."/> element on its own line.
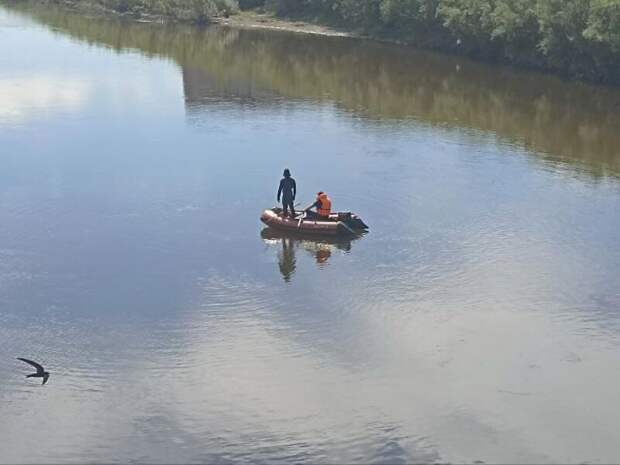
<point x="478" y="320"/>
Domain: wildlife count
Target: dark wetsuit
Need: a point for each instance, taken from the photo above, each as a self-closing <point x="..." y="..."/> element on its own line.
<point x="288" y="191"/>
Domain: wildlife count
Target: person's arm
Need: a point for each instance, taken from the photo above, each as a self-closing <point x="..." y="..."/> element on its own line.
<point x="294" y="189"/>
<point x="316" y="205"/>
<point x="280" y="190"/>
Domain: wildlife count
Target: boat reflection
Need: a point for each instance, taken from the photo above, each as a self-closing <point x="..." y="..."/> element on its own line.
<point x="320" y="248"/>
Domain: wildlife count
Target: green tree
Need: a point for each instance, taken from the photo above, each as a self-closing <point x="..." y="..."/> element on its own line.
<point x="603" y="25"/>
<point x="562" y="24"/>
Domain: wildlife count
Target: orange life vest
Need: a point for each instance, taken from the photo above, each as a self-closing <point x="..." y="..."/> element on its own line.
<point x="326" y="205"/>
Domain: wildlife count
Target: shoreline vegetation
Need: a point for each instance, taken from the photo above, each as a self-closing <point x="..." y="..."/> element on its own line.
<point x="577" y="39"/>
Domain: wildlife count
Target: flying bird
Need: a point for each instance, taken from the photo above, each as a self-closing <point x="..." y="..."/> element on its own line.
<point x="41" y="373"/>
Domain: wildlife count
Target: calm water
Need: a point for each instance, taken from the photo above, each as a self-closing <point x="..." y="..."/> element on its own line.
<point x="479" y="319"/>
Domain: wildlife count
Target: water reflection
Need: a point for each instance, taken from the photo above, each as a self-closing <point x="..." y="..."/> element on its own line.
<point x="22" y="97"/>
<point x="320" y="249"/>
<point x="559" y="121"/>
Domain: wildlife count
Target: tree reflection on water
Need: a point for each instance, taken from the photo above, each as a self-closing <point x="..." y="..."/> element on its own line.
<point x="557" y="121"/>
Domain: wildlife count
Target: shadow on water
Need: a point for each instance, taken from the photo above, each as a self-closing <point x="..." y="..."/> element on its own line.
<point x="571" y="123"/>
<point x="319" y="248"/>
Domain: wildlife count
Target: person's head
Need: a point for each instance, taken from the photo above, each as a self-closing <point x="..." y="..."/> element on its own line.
<point x="320" y="194"/>
<point x="287" y="173"/>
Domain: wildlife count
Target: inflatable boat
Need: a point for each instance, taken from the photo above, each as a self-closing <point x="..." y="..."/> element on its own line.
<point x="338" y="224"/>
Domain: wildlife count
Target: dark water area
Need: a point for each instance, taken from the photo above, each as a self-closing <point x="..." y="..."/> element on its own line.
<point x="479" y="319"/>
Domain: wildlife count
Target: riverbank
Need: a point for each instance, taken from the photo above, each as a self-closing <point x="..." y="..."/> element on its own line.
<point x="600" y="67"/>
<point x="594" y="62"/>
<point x="259" y="19"/>
<point x="196" y="12"/>
<point x="256" y="18"/>
<point x="576" y="39"/>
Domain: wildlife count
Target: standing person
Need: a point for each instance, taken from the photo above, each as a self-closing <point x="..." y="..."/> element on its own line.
<point x="288" y="192"/>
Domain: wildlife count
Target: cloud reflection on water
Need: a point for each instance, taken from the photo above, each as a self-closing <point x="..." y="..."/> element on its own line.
<point x="25" y="98"/>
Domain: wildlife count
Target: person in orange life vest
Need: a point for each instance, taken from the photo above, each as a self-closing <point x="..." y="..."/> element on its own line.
<point x="323" y="207"/>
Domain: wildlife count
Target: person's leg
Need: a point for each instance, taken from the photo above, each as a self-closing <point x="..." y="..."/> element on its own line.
<point x="288" y="205"/>
<point x="292" y="208"/>
<point x="284" y="207"/>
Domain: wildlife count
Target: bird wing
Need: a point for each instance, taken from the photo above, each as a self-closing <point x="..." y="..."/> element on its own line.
<point x="34" y="364"/>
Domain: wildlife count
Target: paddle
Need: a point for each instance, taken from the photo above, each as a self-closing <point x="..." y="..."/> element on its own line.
<point x="303" y="215"/>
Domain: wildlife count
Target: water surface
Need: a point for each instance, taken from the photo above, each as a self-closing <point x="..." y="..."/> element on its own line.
<point x="478" y="320"/>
